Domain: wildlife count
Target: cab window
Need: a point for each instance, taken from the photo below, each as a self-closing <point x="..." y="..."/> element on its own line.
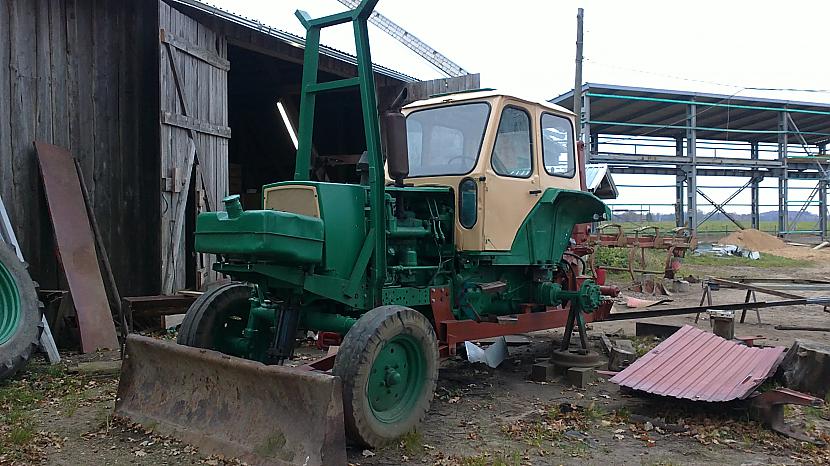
<point x="513" y="148"/>
<point x="446" y="140"/>
<point x="558" y="145"/>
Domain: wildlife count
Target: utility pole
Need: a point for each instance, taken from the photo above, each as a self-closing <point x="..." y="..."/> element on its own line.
<point x="578" y="76"/>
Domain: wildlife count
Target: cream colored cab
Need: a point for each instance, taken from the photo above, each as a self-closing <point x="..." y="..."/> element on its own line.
<point x="498" y="153"/>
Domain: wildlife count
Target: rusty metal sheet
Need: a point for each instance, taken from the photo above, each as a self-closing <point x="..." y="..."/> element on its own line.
<point x="235" y="407"/>
<point x="76" y="247"/>
<point x="698" y="365"/>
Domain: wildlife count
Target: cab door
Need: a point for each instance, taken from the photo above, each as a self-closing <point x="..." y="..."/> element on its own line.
<point x="511" y="182"/>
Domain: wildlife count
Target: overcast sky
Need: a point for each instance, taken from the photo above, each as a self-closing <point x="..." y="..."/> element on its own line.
<point x="526" y="47"/>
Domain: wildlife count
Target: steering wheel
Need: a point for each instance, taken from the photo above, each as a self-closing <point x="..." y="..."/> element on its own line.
<point x="462" y="158"/>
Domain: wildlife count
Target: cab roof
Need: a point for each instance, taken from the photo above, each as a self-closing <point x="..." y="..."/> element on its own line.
<point x="479" y="95"/>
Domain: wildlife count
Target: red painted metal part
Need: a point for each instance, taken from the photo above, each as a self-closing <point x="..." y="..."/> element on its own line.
<point x="451" y="331"/>
<point x="697" y="365"/>
<point x="326" y="339"/>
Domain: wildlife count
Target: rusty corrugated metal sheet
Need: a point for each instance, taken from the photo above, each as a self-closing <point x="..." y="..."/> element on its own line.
<point x="701" y="366"/>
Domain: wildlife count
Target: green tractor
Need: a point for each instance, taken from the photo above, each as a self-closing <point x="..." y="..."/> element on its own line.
<point x="463" y="230"/>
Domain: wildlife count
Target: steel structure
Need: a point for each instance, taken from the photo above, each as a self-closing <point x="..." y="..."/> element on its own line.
<point x="667" y="132"/>
<point x="436" y="58"/>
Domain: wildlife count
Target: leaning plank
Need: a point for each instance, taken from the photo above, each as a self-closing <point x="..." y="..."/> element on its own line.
<point x="76" y="249"/>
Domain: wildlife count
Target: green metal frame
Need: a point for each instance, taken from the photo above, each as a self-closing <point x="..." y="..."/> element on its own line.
<point x="376" y="239"/>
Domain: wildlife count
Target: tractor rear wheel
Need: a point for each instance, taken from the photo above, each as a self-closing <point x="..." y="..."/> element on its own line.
<point x="388" y="363"/>
<point x="20" y="325"/>
<point x="217" y="318"/>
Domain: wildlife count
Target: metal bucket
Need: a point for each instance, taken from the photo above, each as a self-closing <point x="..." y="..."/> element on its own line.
<point x="235" y="407"/>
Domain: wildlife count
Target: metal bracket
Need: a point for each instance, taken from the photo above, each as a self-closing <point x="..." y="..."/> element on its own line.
<point x="768" y="408"/>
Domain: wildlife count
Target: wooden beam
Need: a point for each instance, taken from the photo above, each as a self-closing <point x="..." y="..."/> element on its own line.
<point x="200" y="126"/>
<point x="195" y="51"/>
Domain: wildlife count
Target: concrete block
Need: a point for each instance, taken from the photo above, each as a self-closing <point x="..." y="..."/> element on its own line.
<point x="806" y="367"/>
<point x="621" y="358"/>
<point x="542" y="371"/>
<point x="580" y="376"/>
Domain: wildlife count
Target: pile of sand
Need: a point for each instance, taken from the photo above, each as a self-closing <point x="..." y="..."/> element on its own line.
<point x="754" y="240"/>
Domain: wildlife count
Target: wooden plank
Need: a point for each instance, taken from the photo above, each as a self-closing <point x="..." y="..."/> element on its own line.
<point x="7" y="191"/>
<point x="81" y="42"/>
<point x="58" y="73"/>
<point x="47" y="108"/>
<point x="104" y="118"/>
<point x="167" y="163"/>
<point x="23" y="71"/>
<point x="200" y="126"/>
<point x="43" y="130"/>
<point x="195" y="51"/>
<point x="76" y="248"/>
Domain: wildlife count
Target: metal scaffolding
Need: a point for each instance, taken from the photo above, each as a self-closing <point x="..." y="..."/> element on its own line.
<point x="686" y="134"/>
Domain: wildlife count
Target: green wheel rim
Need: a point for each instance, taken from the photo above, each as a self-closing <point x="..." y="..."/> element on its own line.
<point x="10" y="309"/>
<point x="396" y="379"/>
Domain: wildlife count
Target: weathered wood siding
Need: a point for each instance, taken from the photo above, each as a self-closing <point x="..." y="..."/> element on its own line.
<point x="79" y="74"/>
<point x="199" y="58"/>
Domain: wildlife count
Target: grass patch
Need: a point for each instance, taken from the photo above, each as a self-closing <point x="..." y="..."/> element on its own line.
<point x="766" y="261"/>
<point x="31" y="389"/>
<point x="412" y="443"/>
<point x="499" y="459"/>
<point x="593" y="412"/>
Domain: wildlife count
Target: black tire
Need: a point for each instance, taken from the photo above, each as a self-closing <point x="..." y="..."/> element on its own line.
<point x="354" y="361"/>
<point x="16" y="351"/>
<point x="210" y="310"/>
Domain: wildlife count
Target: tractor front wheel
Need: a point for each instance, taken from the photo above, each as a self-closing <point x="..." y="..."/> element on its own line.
<point x="217" y="318"/>
<point x="20" y="325"/>
<point x="388" y="363"/>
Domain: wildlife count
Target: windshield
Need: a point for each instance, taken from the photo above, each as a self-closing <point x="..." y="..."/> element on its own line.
<point x="445" y="140"/>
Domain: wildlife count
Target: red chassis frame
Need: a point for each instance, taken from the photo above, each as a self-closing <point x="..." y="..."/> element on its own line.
<point x="451" y="331"/>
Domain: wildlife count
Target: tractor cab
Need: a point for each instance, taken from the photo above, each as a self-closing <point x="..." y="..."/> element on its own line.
<point x="498" y="153"/>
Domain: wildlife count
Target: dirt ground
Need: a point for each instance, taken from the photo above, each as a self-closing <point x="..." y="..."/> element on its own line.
<point x="481" y="416"/>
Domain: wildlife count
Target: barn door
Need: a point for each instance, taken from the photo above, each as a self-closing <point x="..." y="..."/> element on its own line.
<point x="193" y="73"/>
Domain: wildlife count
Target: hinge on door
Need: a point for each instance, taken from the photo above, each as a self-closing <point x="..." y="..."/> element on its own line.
<point x="172" y="183"/>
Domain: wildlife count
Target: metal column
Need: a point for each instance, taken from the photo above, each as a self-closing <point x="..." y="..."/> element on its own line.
<point x="822" y="197"/>
<point x="587" y="137"/>
<point x="755" y="189"/>
<point x="691" y="170"/>
<point x="822" y="209"/>
<point x="679" y="178"/>
<point x="783" y="213"/>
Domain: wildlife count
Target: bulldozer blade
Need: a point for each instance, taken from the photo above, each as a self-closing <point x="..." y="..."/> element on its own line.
<point x="235" y="407"/>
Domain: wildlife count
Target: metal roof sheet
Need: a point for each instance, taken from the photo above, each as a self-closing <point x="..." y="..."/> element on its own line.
<point x="640" y="111"/>
<point x="698" y="365"/>
<point x="598" y="180"/>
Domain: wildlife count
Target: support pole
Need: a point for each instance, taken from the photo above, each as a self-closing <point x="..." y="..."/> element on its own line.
<point x="783" y="214"/>
<point x="680" y="177"/>
<point x="578" y="75"/>
<point x="691" y="171"/>
<point x="823" y="185"/>
<point x="822" y="209"/>
<point x="591" y="143"/>
<point x="755" y="189"/>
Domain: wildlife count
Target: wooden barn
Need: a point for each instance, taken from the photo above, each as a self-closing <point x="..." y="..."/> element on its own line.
<point x="136" y="90"/>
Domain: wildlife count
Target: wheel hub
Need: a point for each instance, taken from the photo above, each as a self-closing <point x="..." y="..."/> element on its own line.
<point x="10" y="309"/>
<point x="396" y="379"/>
